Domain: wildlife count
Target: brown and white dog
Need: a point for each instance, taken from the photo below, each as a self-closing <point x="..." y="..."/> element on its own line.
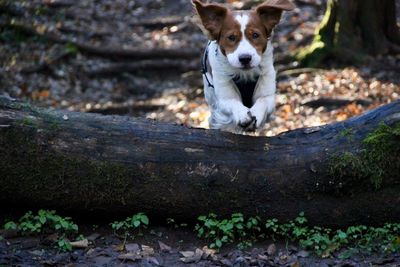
<point x="238" y="72"/>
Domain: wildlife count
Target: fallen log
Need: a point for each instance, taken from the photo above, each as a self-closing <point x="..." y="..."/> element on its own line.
<point x="115" y="164"/>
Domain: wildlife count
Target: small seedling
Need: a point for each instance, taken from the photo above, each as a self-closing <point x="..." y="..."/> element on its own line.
<point x="220" y="232"/>
<point x="136" y="222"/>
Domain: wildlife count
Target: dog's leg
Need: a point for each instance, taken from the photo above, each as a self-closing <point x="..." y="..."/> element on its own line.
<point x="264" y="98"/>
<point x="230" y="103"/>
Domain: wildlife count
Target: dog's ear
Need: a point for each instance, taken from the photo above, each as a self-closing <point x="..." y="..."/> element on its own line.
<point x="212" y="17"/>
<point x="270" y="12"/>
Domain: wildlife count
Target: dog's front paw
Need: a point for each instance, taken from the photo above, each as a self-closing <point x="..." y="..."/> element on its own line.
<point x="244" y="118"/>
<point x="263" y="110"/>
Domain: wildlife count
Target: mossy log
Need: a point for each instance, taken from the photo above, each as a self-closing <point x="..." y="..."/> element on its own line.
<point x="92" y="163"/>
<point x="353" y="29"/>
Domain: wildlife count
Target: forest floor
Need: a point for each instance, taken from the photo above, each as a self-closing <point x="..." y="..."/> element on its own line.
<point x="171" y="246"/>
<point x="90" y="56"/>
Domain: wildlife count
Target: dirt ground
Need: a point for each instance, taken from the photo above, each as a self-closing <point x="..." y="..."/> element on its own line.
<point x="169" y="246"/>
<point x="47" y="68"/>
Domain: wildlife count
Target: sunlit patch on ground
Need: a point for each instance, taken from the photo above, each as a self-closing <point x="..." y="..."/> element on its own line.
<point x="311" y="99"/>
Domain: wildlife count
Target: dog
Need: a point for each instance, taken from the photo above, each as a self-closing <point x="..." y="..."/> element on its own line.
<point x="237" y="66"/>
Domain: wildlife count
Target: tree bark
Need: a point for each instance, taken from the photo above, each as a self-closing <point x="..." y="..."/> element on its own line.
<point x="353" y="29"/>
<point x="113" y="164"/>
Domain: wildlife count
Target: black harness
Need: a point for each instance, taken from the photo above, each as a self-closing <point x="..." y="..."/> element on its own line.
<point x="246" y="88"/>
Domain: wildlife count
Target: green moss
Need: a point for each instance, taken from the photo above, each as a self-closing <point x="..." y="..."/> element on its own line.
<point x="39" y="176"/>
<point x="312" y="55"/>
<point x="348" y="132"/>
<point x="378" y="160"/>
<point x="317" y="51"/>
<point x="335" y="39"/>
<point x="27" y="121"/>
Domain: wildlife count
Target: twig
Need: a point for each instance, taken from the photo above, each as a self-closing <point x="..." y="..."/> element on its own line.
<point x="334" y="102"/>
<point x="158" y="22"/>
<point x="115" y="68"/>
<point x="292" y="72"/>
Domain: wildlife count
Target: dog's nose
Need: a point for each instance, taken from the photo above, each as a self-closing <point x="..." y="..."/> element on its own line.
<point x="245" y="59"/>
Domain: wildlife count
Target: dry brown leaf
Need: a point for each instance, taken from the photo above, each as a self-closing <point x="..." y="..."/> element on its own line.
<point x="147" y="251"/>
<point x="164" y="247"/>
<point x="129" y="256"/>
<point x="84" y="243"/>
<point x="208" y="252"/>
<point x="187" y="254"/>
<point x="271" y="250"/>
<point x="132" y="247"/>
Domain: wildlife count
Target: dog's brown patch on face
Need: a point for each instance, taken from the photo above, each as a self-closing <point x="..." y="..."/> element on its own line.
<point x="230" y="35"/>
<point x="256" y="33"/>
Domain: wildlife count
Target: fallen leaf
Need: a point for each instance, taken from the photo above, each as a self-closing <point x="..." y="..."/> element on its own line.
<point x="153" y="260"/>
<point x="93" y="237"/>
<point x="84" y="243"/>
<point x="129" y="256"/>
<point x="303" y="254"/>
<point x="90" y="251"/>
<point x="120" y="247"/>
<point x="132" y="247"/>
<point x="207" y="252"/>
<point x="51" y="238"/>
<point x="262" y="257"/>
<point x="164" y="247"/>
<point x="191" y="256"/>
<point x="271" y="250"/>
<point x="226" y="262"/>
<point x="147" y="251"/>
<point x="187" y="254"/>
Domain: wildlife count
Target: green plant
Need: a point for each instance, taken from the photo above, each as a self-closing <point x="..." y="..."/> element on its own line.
<point x="220" y="232"/>
<point x="325" y="241"/>
<point x="322" y="241"/>
<point x="64" y="244"/>
<point x="71" y="48"/>
<point x="45" y="222"/>
<point x="272" y="227"/>
<point x="135" y="222"/>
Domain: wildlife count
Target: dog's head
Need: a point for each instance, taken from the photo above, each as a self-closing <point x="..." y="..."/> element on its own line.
<point x="242" y="35"/>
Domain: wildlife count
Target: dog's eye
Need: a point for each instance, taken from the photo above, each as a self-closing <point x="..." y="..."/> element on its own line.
<point x="232" y="38"/>
<point x="255" y="35"/>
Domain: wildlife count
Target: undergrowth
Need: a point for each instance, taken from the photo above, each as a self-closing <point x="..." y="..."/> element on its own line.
<point x="322" y="241"/>
<point x="236" y="229"/>
<point x="45" y="222"/>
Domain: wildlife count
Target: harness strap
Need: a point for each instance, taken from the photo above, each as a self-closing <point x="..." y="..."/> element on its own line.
<point x="204" y="69"/>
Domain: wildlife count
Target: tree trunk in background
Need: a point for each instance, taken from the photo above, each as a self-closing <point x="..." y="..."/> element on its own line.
<point x="113" y="164"/>
<point x="353" y="29"/>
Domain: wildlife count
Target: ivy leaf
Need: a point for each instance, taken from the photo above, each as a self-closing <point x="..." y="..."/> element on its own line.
<point x="144" y="219"/>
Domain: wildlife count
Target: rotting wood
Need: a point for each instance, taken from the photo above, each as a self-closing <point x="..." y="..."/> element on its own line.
<point x="114" y="164"/>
